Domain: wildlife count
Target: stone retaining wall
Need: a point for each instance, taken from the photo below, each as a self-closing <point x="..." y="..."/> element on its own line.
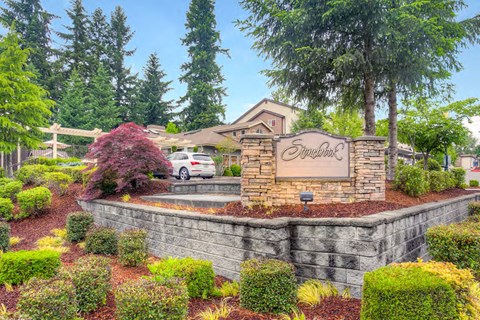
<point x="337" y="249"/>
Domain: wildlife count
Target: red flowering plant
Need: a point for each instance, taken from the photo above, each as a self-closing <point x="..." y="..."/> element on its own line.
<point x="126" y="159"/>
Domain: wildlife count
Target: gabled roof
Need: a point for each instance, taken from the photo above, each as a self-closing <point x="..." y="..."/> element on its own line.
<point x="263" y="101"/>
<point x="239" y="126"/>
<point x="269" y="112"/>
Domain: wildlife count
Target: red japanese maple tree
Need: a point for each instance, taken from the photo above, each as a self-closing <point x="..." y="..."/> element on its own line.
<point x="125" y="160"/>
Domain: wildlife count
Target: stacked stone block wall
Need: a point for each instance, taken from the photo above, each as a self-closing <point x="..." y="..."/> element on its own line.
<point x="260" y="186"/>
<point x="340" y="250"/>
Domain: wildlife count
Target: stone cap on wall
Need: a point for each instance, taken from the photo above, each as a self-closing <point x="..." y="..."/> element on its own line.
<point x="257" y="136"/>
<point x="370" y="138"/>
<point x="289" y="135"/>
<point x="277" y="223"/>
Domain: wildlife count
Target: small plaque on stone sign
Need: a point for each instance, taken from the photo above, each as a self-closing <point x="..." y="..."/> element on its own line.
<point x="312" y="155"/>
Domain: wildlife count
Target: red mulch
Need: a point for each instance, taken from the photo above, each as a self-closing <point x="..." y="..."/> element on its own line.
<point x="33" y="228"/>
<point x="153" y="187"/>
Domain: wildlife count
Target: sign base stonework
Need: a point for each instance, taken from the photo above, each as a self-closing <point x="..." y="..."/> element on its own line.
<point x="336" y="169"/>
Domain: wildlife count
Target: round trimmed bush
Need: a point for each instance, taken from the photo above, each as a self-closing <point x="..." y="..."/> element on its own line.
<point x="78" y="224"/>
<point x="6" y="209"/>
<point x="75" y="172"/>
<point x="91" y="278"/>
<point x="473" y="183"/>
<point x="148" y="299"/>
<point x="268" y="286"/>
<point x="34" y="201"/>
<point x="102" y="240"/>
<point x="132" y="247"/>
<point x="411" y="180"/>
<point x="396" y="293"/>
<point x="52" y="299"/>
<point x="4" y="237"/>
<point x="32" y="174"/>
<point x="236" y="170"/>
<point x="58" y="182"/>
<point x="10" y="189"/>
<point x="459" y="176"/>
<point x="227" y="173"/>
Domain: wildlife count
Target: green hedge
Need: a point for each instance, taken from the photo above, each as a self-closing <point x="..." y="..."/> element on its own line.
<point x="397" y="293"/>
<point x="458" y="176"/>
<point x="441" y="180"/>
<point x="148" y="299"/>
<point x="4" y="237"/>
<point x="19" y="266"/>
<point x="101" y="240"/>
<point x="6" y="209"/>
<point x="32" y="174"/>
<point x="34" y="201"/>
<point x="411" y="180"/>
<point x="91" y="277"/>
<point x="236" y="170"/>
<point x="78" y="224"/>
<point x="268" y="286"/>
<point x="52" y="299"/>
<point x="227" y="173"/>
<point x="58" y="182"/>
<point x="75" y="173"/>
<point x="456" y="243"/>
<point x="55" y="162"/>
<point x="473" y="183"/>
<point x="10" y="189"/>
<point x="132" y="247"/>
<point x="197" y="274"/>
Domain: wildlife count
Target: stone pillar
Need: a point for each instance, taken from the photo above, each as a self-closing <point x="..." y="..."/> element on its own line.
<point x="258" y="176"/>
<point x="369" y="161"/>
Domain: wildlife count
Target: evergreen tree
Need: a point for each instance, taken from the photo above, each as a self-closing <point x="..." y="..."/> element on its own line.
<point x="152" y="90"/>
<point x="74" y="111"/>
<point x="106" y="115"/>
<point x="32" y="22"/>
<point x="202" y="74"/>
<point x="98" y="34"/>
<point x="124" y="82"/>
<point x="23" y="104"/>
<point x="76" y="53"/>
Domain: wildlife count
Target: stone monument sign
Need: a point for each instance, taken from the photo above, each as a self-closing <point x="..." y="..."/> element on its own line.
<point x="312" y="155"/>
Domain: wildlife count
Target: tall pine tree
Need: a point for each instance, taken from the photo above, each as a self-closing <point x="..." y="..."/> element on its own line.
<point x="105" y="114"/>
<point x="202" y="74"/>
<point x="76" y="52"/>
<point x="151" y="97"/>
<point x="124" y="81"/>
<point x="32" y="22"/>
<point x="98" y="34"/>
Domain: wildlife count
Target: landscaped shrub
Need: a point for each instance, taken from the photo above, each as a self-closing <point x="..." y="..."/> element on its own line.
<point x="32" y="174"/>
<point x="4" y="181"/>
<point x="91" y="278"/>
<point x="74" y="172"/>
<point x="56" y="161"/>
<point x="78" y="224"/>
<point x="236" y="170"/>
<point x="459" y="176"/>
<point x="101" y="240"/>
<point x="473" y="183"/>
<point x="52" y="299"/>
<point x="441" y="180"/>
<point x="149" y="299"/>
<point x="58" y="182"/>
<point x="456" y="243"/>
<point x="4" y="237"/>
<point x="87" y="175"/>
<point x="6" y="209"/>
<point x="125" y="156"/>
<point x="20" y="266"/>
<point x="396" y="293"/>
<point x="10" y="189"/>
<point x="411" y="180"/>
<point x="268" y="286"/>
<point x="227" y="173"/>
<point x="467" y="289"/>
<point x="34" y="201"/>
<point x="432" y="165"/>
<point x="197" y="274"/>
<point x="132" y="247"/>
<point x="474" y="208"/>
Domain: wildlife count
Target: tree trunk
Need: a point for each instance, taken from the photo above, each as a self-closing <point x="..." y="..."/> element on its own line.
<point x="369" y="95"/>
<point x="392" y="131"/>
<point x="425" y="160"/>
<point x="8" y="166"/>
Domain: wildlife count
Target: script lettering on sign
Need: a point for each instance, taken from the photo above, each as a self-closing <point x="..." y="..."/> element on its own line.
<point x="312" y="155"/>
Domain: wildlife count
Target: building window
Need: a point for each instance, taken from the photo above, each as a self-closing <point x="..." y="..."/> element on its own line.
<point x="243" y="132"/>
<point x="272" y="122"/>
<point x="259" y="131"/>
<point x="234" y="133"/>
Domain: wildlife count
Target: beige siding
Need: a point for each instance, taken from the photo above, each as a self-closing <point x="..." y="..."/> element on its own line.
<point x="290" y="114"/>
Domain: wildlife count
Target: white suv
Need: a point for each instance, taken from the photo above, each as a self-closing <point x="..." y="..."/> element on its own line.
<point x="191" y="164"/>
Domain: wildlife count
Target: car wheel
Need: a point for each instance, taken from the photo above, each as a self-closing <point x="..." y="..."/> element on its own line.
<point x="184" y="175"/>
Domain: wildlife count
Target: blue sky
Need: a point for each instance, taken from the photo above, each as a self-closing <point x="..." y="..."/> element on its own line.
<point x="159" y="25"/>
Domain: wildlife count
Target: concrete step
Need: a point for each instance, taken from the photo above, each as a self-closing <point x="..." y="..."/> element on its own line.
<point x="195" y="200"/>
<point x="209" y="186"/>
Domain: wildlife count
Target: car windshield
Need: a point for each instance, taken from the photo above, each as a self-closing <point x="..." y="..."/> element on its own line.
<point x="202" y="157"/>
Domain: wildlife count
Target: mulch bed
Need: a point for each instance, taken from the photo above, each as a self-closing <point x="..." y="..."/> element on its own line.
<point x="33" y="228"/>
